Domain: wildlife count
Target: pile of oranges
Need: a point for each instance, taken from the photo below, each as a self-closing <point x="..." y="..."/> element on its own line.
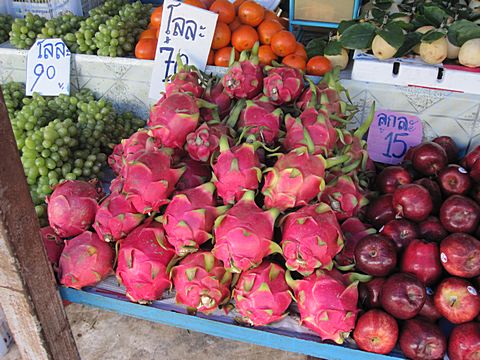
<point x="240" y="24"/>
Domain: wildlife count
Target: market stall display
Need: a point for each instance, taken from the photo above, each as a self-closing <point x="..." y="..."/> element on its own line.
<point x="321" y="185"/>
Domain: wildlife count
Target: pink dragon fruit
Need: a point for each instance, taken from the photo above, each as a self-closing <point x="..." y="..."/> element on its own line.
<point x="243" y="236"/>
<point x="143" y="259"/>
<point x="189" y="218"/>
<point x="116" y="185"/>
<point x="296" y="178"/>
<point x="201" y="282"/>
<point x="260" y="117"/>
<point x="321" y="96"/>
<point x="353" y="230"/>
<point x="236" y="170"/>
<point x="311" y="237"/>
<point x="351" y="144"/>
<point x="149" y="180"/>
<point x="344" y="197"/>
<point x="262" y="294"/>
<point x="53" y="245"/>
<point x="137" y="142"/>
<point x="116" y="218"/>
<point x="283" y="84"/>
<point x="216" y="94"/>
<point x="327" y="305"/>
<point x="187" y="79"/>
<point x="72" y="207"/>
<point x="173" y="118"/>
<point x="203" y="142"/>
<point x="85" y="261"/>
<point x="244" y="79"/>
<point x="312" y="129"/>
<point x="196" y="173"/>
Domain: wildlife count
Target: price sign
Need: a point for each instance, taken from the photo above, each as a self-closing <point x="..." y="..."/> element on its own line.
<point x="48" y="68"/>
<point x="187" y="30"/>
<point x="391" y="135"/>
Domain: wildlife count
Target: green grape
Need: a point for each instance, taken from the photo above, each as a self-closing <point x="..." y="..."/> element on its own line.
<point x="85" y="35"/>
<point x="13" y="93"/>
<point x="119" y="34"/>
<point x="63" y="27"/>
<point x="5" y="26"/>
<point x="109" y="7"/>
<point x="24" y="31"/>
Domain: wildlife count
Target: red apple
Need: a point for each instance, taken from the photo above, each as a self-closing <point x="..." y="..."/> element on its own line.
<point x="353" y="230"/>
<point x="413" y="202"/>
<point x="429" y="312"/>
<point x="401" y="231"/>
<point x="376" y="331"/>
<point x="392" y="177"/>
<point x="422" y="259"/>
<point x="432" y="230"/>
<point x="434" y="190"/>
<point x="409" y="154"/>
<point x="369" y="293"/>
<point x="460" y="255"/>
<point x="471" y="158"/>
<point x="403" y="295"/>
<point x="457" y="300"/>
<point x="450" y="147"/>
<point x="429" y="158"/>
<point x="422" y="340"/>
<point x="376" y="255"/>
<point x="380" y="211"/>
<point x="475" y="193"/>
<point x="464" y="343"/>
<point x="460" y="214"/>
<point x="454" y="180"/>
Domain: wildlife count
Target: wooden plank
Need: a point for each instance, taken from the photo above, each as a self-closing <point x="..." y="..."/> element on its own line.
<point x="220" y="329"/>
<point x="28" y="291"/>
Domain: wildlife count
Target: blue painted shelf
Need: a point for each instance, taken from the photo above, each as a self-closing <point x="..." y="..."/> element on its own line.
<point x="220" y="326"/>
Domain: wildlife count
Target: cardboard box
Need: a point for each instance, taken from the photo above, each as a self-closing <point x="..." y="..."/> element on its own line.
<point x="412" y="71"/>
<point x="332" y="11"/>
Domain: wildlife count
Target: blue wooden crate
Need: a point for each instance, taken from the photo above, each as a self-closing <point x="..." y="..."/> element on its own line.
<point x="221" y="326"/>
<point x="298" y="22"/>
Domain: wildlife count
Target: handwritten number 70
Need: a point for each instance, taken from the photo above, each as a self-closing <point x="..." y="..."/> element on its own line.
<point x="39" y="70"/>
<point x="395" y="139"/>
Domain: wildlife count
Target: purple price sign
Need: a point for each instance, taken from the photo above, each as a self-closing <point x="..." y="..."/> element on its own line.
<point x="391" y="134"/>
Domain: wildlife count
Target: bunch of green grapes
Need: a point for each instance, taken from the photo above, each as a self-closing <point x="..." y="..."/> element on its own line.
<point x="5" y="26"/>
<point x="117" y="37"/>
<point x="63" y="27"/>
<point x="85" y="35"/>
<point x="109" y="7"/>
<point x="34" y="114"/>
<point x="24" y="31"/>
<point x="13" y="93"/>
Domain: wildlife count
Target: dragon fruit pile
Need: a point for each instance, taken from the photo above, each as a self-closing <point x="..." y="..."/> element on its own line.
<point x="243" y="192"/>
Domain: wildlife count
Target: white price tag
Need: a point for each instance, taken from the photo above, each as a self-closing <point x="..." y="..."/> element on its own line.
<point x="187" y="30"/>
<point x="48" y="68"/>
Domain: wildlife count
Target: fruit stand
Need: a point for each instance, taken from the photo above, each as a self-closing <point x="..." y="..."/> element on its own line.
<point x="286" y="204"/>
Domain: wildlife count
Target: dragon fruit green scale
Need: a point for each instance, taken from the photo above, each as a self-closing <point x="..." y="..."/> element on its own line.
<point x="327" y="305"/>
<point x="262" y="294"/>
<point x="243" y="235"/>
<point x="311" y="237"/>
<point x="189" y="218"/>
<point x="201" y="282"/>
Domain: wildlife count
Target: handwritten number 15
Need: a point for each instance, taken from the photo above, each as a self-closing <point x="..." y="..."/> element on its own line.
<point x="395" y="139"/>
<point x="39" y="70"/>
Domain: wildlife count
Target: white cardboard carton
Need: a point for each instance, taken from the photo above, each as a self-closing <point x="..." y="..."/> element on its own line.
<point x="414" y="72"/>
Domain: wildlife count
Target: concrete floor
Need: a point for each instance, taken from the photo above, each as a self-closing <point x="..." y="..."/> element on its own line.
<point x="108" y="336"/>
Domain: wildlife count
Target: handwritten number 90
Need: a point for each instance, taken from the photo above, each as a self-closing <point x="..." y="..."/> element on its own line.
<point x="395" y="139"/>
<point x="39" y="70"/>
